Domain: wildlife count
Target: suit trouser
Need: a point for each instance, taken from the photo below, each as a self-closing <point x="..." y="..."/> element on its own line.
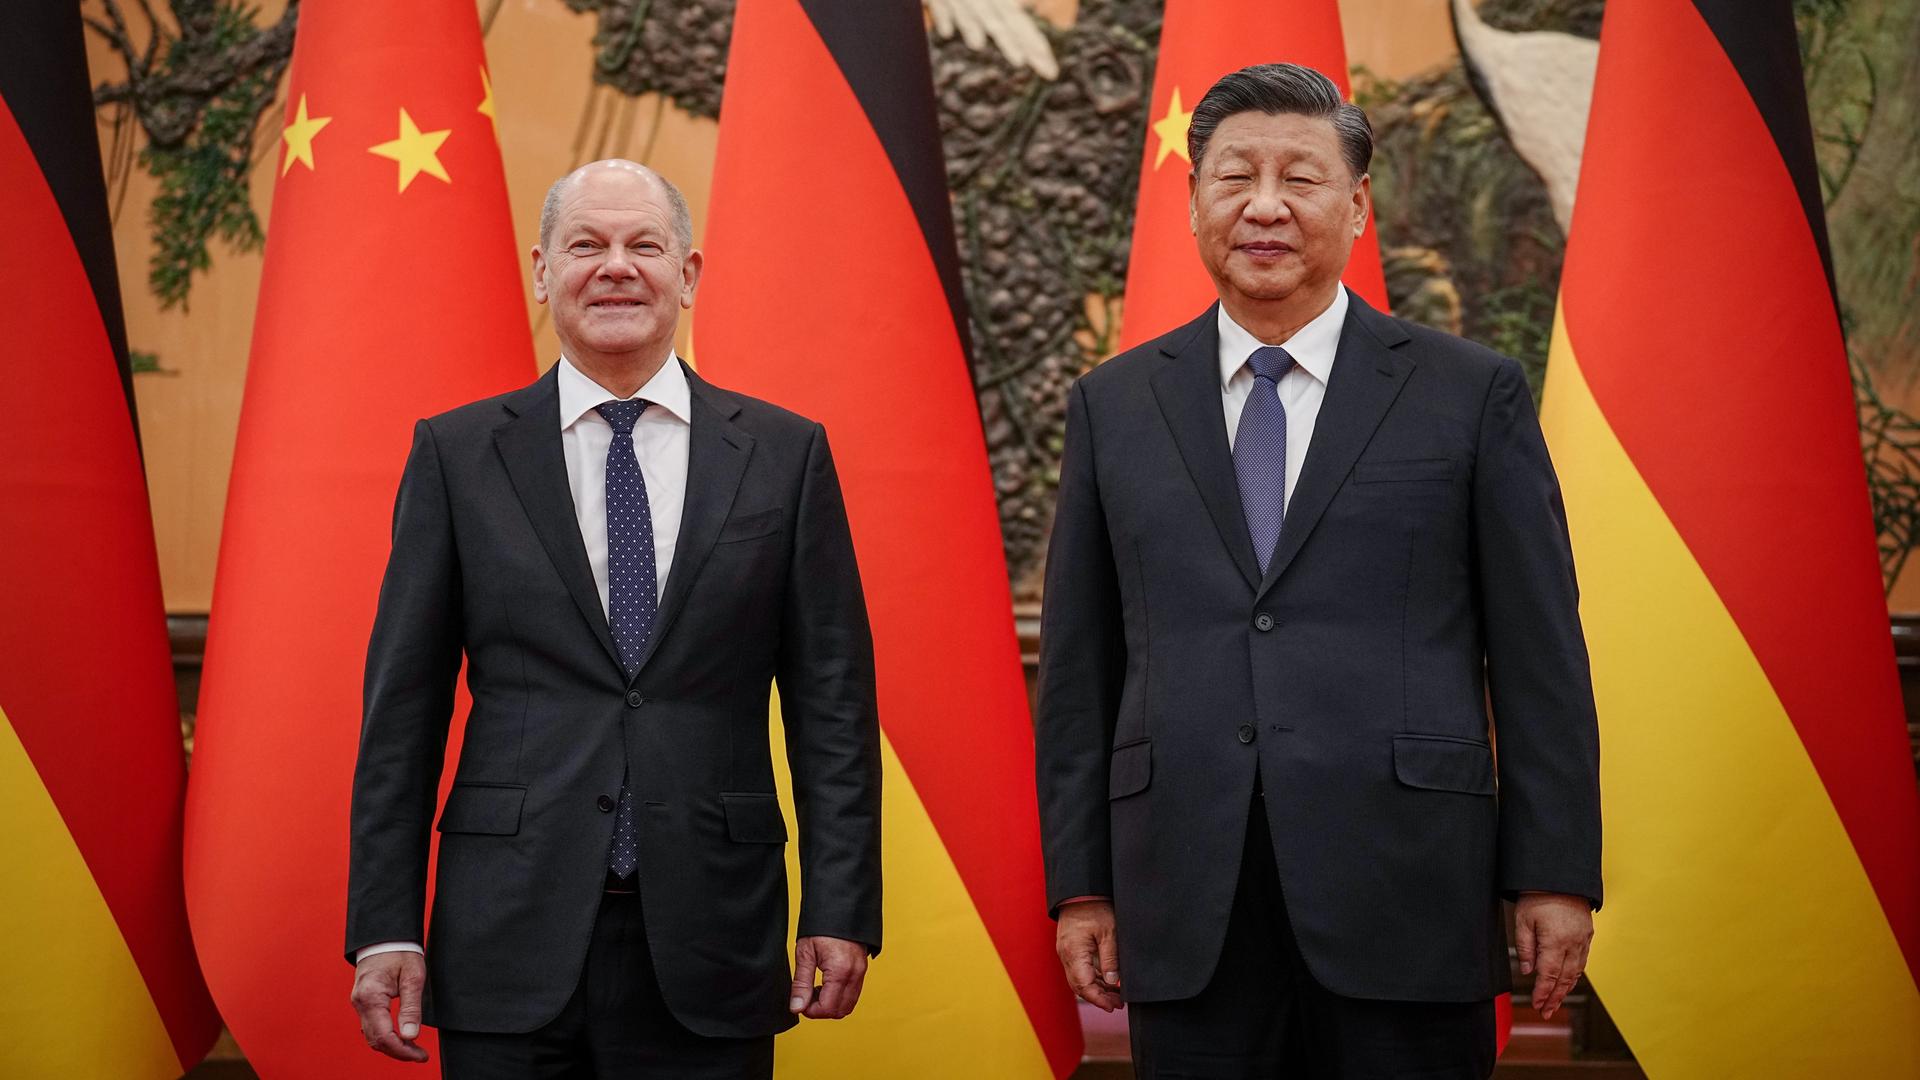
<point x="615" y="1026"/>
<point x="1263" y="1014"/>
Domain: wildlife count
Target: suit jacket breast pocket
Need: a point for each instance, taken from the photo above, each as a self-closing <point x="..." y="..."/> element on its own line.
<point x="752" y="526"/>
<point x="1389" y="472"/>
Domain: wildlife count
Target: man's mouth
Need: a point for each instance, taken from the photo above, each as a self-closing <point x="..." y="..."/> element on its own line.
<point x="1269" y="249"/>
<point x="617" y="302"/>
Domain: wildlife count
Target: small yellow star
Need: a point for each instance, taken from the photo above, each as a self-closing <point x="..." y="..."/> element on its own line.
<point x="1172" y="129"/>
<point x="299" y="136"/>
<point x="486" y="103"/>
<point x="417" y="151"/>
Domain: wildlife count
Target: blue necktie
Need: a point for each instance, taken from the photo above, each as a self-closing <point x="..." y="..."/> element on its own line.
<point x="632" y="589"/>
<point x="1260" y="452"/>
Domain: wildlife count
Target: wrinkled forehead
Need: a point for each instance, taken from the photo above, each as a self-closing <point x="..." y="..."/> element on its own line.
<point x="1285" y="136"/>
<point x="618" y="201"/>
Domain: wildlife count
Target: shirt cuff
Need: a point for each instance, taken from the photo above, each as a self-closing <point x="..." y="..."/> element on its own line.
<point x="379" y="947"/>
<point x="1079" y="899"/>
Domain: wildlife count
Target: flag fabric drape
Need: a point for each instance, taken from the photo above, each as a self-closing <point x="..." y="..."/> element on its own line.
<point x="832" y="287"/>
<point x="1201" y="40"/>
<point x="1763" y="832"/>
<point x="391" y="292"/>
<point x="101" y="978"/>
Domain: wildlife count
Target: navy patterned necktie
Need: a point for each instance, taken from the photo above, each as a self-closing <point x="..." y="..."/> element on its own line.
<point x="1260" y="452"/>
<point x="632" y="589"/>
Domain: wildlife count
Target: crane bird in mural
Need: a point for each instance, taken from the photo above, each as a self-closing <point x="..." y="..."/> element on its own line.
<point x="1012" y="28"/>
<point x="1539" y="85"/>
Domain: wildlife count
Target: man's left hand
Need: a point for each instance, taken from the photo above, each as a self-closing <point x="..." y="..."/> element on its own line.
<point x="1552" y="932"/>
<point x="842" y="965"/>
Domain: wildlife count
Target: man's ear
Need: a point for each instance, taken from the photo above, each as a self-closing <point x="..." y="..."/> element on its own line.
<point x="539" y="275"/>
<point x="1193" y="205"/>
<point x="1362" y="204"/>
<point x="690" y="269"/>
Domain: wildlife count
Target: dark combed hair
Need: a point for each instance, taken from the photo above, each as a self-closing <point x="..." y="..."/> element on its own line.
<point x="1277" y="89"/>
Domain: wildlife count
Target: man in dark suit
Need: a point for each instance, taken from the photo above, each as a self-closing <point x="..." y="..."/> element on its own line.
<point x="626" y="557"/>
<point x="1300" y="547"/>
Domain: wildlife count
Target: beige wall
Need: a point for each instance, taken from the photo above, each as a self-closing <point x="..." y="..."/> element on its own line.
<point x="551" y="117"/>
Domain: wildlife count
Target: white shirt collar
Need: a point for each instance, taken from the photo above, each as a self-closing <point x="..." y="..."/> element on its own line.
<point x="1312" y="346"/>
<point x="580" y="395"/>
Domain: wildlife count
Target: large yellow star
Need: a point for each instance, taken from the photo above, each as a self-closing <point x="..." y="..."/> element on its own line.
<point x="486" y="103"/>
<point x="299" y="136"/>
<point x="417" y="151"/>
<point x="1172" y="129"/>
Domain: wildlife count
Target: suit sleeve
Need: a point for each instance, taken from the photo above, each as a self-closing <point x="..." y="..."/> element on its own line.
<point x="1546" y="738"/>
<point x="413" y="660"/>
<point x="828" y="705"/>
<point x="1082" y="662"/>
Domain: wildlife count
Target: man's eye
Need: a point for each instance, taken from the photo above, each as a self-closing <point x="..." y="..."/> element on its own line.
<point x="581" y="248"/>
<point x="647" y="247"/>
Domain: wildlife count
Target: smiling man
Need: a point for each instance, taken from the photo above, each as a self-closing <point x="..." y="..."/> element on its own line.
<point x="1300" y="547"/>
<point x="626" y="558"/>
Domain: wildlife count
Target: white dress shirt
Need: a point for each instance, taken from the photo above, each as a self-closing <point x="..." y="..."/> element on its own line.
<point x="660" y="440"/>
<point x="1302" y="388"/>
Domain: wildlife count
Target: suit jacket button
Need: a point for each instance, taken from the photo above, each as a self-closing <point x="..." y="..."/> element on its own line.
<point x="605" y="803"/>
<point x="1263" y="622"/>
<point x="634" y="700"/>
<point x="1246" y="732"/>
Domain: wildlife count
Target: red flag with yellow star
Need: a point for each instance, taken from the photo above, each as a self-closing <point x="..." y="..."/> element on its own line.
<point x="100" y="976"/>
<point x="1200" y="42"/>
<point x="391" y="292"/>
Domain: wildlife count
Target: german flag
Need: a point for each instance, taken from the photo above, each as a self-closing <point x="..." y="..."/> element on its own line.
<point x="1763" y="831"/>
<point x="833" y="287"/>
<point x="391" y="291"/>
<point x="101" y="978"/>
<point x="1200" y="41"/>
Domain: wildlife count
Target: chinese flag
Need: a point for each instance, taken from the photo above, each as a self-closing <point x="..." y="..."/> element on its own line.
<point x="833" y="288"/>
<point x="100" y="975"/>
<point x="1763" y="830"/>
<point x="391" y="292"/>
<point x="1201" y="40"/>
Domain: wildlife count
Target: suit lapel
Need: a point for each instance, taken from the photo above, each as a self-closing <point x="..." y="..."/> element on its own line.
<point x="717" y="453"/>
<point x="1367" y="376"/>
<point x="1188" y="389"/>
<point x="529" y="444"/>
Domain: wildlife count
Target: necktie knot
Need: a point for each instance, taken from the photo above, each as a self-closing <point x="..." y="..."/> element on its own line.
<point x="1269" y="362"/>
<point x="622" y="414"/>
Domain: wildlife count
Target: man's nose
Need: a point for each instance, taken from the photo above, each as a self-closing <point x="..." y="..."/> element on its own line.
<point x="618" y="264"/>
<point x="1268" y="203"/>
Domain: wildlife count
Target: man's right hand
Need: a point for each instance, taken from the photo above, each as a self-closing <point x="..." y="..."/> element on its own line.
<point x="377" y="980"/>
<point x="1085" y="941"/>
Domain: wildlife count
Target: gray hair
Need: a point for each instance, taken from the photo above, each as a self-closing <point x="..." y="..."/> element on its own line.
<point x="1277" y="89"/>
<point x="677" y="211"/>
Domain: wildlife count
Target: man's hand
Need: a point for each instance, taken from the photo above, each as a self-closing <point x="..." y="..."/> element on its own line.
<point x="842" y="965"/>
<point x="1552" y="932"/>
<point x="1085" y="941"/>
<point x="377" y="980"/>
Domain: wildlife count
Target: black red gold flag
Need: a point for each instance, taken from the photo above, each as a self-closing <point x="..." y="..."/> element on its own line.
<point x="101" y="978"/>
<point x="1763" y="829"/>
<point x="833" y="287"/>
